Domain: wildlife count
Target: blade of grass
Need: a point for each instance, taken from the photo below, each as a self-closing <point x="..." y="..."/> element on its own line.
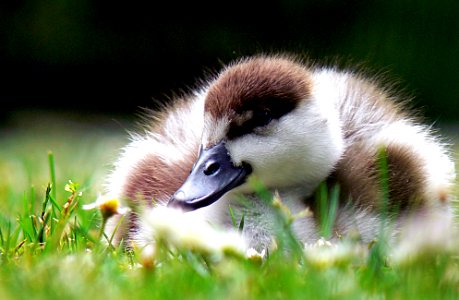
<point x="57" y="235"/>
<point x="240" y="227"/>
<point x="24" y="220"/>
<point x="241" y="224"/>
<point x="327" y="205"/>
<point x="233" y="217"/>
<point x="378" y="253"/>
<point x="52" y="173"/>
<point x="33" y="225"/>
<point x="11" y="239"/>
<point x="25" y="225"/>
<point x="111" y="238"/>
<point x="2" y="239"/>
<point x="42" y="237"/>
<point x="54" y="205"/>
<point x="44" y="216"/>
<point x="321" y="200"/>
<point x="332" y="210"/>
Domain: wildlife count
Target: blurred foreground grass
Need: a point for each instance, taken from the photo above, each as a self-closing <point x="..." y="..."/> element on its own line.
<point x="50" y="250"/>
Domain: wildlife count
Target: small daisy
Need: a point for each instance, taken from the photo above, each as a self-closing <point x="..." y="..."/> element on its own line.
<point x="429" y="235"/>
<point x="255" y="256"/>
<point x="189" y="232"/>
<point x="324" y="254"/>
<point x="108" y="206"/>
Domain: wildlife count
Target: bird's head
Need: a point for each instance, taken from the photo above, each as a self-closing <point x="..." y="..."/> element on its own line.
<point x="263" y="119"/>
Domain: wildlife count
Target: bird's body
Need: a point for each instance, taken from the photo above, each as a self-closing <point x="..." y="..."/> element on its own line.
<point x="292" y="126"/>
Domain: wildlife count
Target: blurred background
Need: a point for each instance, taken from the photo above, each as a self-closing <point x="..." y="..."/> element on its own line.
<point x="113" y="57"/>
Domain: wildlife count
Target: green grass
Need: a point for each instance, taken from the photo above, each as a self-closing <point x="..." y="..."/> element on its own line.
<point x="49" y="246"/>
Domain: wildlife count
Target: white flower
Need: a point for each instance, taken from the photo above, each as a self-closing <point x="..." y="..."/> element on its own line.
<point x="147" y="257"/>
<point x="108" y="206"/>
<point x="427" y="234"/>
<point x="324" y="254"/>
<point x="255" y="256"/>
<point x="189" y="231"/>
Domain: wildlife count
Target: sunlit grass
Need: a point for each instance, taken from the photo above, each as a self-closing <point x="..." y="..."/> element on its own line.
<point x="50" y="246"/>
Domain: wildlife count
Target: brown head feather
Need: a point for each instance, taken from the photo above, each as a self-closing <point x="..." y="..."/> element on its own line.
<point x="249" y="82"/>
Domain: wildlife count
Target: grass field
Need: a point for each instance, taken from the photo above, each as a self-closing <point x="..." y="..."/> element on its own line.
<point x="49" y="245"/>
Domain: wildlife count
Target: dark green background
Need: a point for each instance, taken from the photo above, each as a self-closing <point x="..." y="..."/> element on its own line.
<point x="88" y="55"/>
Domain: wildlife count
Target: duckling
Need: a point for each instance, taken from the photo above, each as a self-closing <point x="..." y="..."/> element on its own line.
<point x="291" y="125"/>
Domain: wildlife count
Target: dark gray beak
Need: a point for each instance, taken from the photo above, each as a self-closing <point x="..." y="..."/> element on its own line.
<point x="212" y="176"/>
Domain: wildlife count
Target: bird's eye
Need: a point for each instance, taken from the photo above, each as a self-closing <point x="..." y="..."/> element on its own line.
<point x="261" y="117"/>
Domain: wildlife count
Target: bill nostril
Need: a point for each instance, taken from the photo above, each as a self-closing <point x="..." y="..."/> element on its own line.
<point x="211" y="168"/>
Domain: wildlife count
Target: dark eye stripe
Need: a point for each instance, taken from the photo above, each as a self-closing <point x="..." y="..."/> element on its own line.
<point x="263" y="112"/>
